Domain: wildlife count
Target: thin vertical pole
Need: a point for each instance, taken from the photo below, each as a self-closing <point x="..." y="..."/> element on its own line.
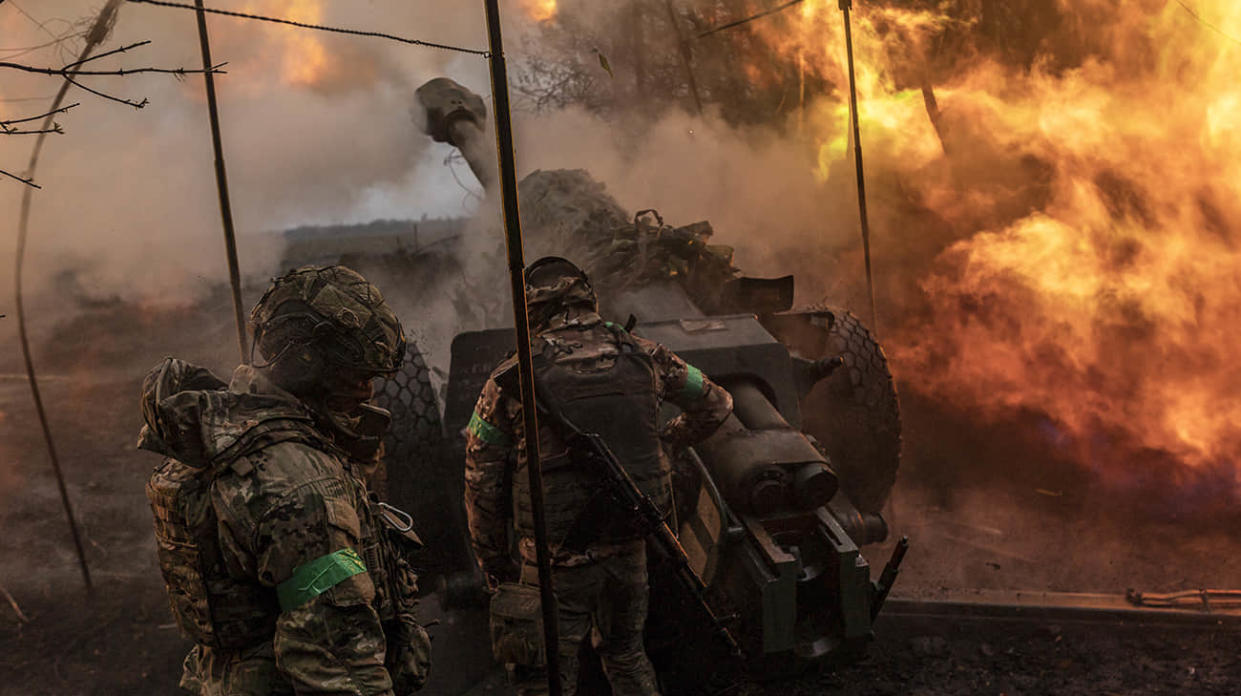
<point x="687" y="59"/>
<point x="221" y="182"/>
<point x="845" y="6"/>
<point x="98" y="32"/>
<point x="516" y="266"/>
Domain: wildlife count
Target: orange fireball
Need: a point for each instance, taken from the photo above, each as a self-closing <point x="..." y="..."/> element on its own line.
<point x="540" y="10"/>
<point x="1094" y="193"/>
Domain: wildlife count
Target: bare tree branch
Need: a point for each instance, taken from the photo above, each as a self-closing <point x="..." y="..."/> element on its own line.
<point x="65" y="72"/>
<point x="105" y="54"/>
<point x="55" y="128"/>
<point x="73" y="70"/>
<point x="61" y="110"/>
<point x="28" y="182"/>
<point x="119" y="100"/>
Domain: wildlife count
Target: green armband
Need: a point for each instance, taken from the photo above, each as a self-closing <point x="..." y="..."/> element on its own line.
<point x="318" y="576"/>
<point x="486" y="432"/>
<point x="693" y="388"/>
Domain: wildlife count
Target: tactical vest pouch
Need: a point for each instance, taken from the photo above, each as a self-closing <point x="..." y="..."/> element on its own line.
<point x="621" y="405"/>
<point x="211" y="608"/>
<point x="517" y="625"/>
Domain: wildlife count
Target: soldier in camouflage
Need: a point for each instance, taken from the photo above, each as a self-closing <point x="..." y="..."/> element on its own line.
<point x="613" y="383"/>
<point x="286" y="572"/>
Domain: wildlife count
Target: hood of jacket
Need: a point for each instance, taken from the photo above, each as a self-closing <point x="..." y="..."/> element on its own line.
<point x="194" y="417"/>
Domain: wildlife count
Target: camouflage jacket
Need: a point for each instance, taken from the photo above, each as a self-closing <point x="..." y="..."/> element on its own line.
<point x="284" y="502"/>
<point x="495" y="440"/>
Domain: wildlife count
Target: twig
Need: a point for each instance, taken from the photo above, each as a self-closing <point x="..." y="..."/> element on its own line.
<point x="65" y="72"/>
<point x="448" y="161"/>
<point x="98" y="32"/>
<point x="747" y="20"/>
<point x="61" y="110"/>
<point x="105" y="54"/>
<point x="17" y="52"/>
<point x="13" y="602"/>
<point x="73" y="70"/>
<point x="28" y="182"/>
<point x="120" y="100"/>
<point x="41" y="25"/>
<point x="319" y="27"/>
<point x="55" y="128"/>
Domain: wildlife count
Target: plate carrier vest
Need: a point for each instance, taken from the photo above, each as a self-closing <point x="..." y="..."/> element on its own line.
<point x="224" y="610"/>
<point x="621" y="404"/>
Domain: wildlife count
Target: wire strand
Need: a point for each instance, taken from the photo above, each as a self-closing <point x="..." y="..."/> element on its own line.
<point x="751" y="18"/>
<point x="320" y="27"/>
<point x="1197" y="17"/>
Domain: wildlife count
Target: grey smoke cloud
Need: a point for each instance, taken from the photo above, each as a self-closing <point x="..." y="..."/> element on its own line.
<point x="129" y="196"/>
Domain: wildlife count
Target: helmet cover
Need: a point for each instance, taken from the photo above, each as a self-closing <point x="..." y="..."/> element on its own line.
<point x="335" y="310"/>
<point x="553" y="279"/>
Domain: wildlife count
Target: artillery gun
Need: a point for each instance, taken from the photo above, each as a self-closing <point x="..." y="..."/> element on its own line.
<point x="774" y="508"/>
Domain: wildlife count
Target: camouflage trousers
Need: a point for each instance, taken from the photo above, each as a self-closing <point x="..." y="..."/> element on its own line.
<point x="249" y="672"/>
<point x="606" y="601"/>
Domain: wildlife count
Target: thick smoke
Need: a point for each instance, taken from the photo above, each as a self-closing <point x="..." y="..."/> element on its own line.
<point x="316" y="129"/>
<point x="1052" y="200"/>
<point x="1043" y="112"/>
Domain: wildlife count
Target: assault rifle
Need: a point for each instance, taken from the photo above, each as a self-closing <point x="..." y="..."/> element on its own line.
<point x="647" y="518"/>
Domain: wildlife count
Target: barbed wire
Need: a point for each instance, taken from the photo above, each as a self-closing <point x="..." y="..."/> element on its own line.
<point x="319" y="27"/>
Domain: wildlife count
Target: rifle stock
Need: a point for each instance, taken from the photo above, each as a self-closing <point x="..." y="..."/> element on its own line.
<point x="652" y="524"/>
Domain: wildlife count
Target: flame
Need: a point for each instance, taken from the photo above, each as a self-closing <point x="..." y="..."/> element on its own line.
<point x="1095" y="200"/>
<point x="301" y="55"/>
<point x="540" y="10"/>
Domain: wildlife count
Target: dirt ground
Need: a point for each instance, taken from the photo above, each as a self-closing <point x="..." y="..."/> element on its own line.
<point x="1025" y="531"/>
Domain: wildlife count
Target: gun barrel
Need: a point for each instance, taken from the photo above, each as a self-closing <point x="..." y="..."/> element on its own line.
<point x="762" y="463"/>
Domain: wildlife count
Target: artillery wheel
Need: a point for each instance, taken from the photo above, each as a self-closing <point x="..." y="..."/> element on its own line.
<point x="413" y="446"/>
<point x="854" y="414"/>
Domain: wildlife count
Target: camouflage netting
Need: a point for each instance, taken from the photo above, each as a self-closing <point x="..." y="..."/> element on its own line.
<point x="568" y="213"/>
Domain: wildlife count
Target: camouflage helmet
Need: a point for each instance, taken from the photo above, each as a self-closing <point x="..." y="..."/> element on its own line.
<point x="334" y="309"/>
<point x="556" y="280"/>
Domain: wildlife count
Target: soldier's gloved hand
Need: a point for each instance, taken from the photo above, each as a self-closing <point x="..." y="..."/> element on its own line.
<point x="409" y="655"/>
<point x="498" y="570"/>
<point x="672" y="438"/>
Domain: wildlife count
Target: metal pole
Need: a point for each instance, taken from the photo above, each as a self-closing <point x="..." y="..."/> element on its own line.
<point x="221" y="182"/>
<point x="686" y="56"/>
<point x="845" y="6"/>
<point x="516" y="266"/>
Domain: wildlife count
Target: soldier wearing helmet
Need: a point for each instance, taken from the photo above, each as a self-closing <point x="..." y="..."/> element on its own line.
<point x="286" y="572"/>
<point x="613" y="383"/>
